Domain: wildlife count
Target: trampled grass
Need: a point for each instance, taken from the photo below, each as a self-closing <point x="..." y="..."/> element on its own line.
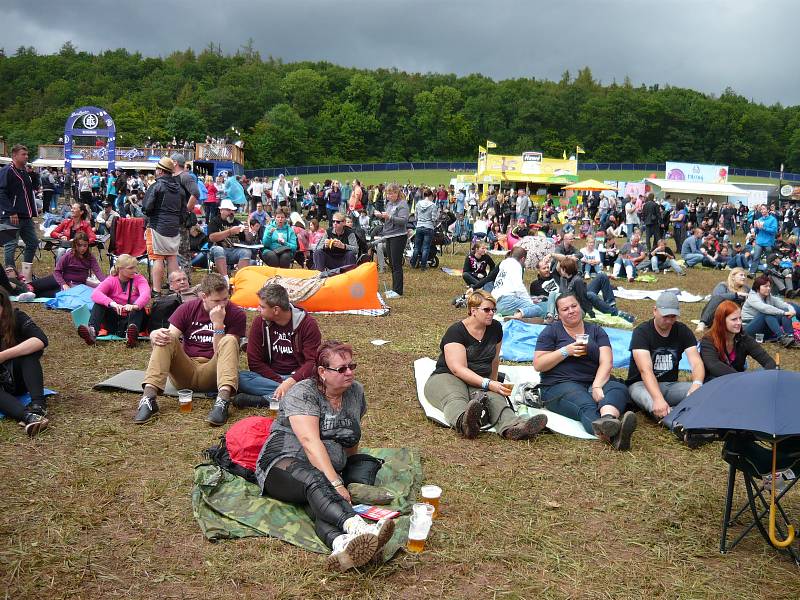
<point x="96" y="507"/>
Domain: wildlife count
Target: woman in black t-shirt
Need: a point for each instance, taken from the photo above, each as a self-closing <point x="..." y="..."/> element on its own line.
<point x="479" y="268"/>
<point x="464" y="384"/>
<point x="576" y="375"/>
<point x="21" y="346"/>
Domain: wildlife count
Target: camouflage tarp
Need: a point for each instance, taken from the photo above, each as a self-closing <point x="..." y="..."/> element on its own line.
<point x="227" y="506"/>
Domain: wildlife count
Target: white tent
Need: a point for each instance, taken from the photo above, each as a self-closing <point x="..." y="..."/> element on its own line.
<point x="690" y="188"/>
<point x="96" y="164"/>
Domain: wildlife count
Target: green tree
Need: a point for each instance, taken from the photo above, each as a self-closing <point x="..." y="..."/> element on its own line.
<point x="305" y="90"/>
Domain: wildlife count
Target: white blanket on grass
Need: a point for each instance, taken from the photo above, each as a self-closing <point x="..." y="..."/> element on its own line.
<point x="423" y="367"/>
<point x="683" y="295"/>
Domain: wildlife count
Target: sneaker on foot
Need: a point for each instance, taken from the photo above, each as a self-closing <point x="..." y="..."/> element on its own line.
<point x="352" y="550"/>
<point x="34" y="423"/>
<point x="219" y="412"/>
<point x="26" y="297"/>
<point x="606" y="427"/>
<point x="622" y="441"/>
<point x="627" y="316"/>
<point x="526" y="430"/>
<point x="242" y="400"/>
<point x="148" y="407"/>
<point x="470" y="422"/>
<point x="132" y="336"/>
<point x="87" y="334"/>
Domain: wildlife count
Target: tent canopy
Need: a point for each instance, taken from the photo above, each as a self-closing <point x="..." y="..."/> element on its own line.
<point x="591" y="185"/>
<point x="669" y="186"/>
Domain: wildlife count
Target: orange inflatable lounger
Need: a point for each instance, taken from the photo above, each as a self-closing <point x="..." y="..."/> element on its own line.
<point x="354" y="290"/>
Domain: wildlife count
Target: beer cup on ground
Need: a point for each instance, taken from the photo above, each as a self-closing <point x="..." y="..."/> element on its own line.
<point x="431" y="494"/>
<point x="185" y="400"/>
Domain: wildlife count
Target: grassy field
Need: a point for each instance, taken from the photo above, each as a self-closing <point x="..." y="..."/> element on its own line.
<point x="97" y="507"/>
<point x="435" y="177"/>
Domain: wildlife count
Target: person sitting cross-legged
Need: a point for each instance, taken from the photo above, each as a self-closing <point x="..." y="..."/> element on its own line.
<point x="199" y="350"/>
<point x="281" y="349"/>
<point x="337" y="247"/>
<point x="224" y="230"/>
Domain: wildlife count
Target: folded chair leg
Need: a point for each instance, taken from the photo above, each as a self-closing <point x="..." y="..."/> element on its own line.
<point x="728" y="505"/>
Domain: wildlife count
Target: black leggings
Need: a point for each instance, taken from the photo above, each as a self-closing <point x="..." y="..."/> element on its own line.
<point x="397" y="245"/>
<point x="28" y="377"/>
<point x="476" y="283"/>
<point x="46" y="287"/>
<point x="299" y="482"/>
<point x="281" y="260"/>
<point x="108" y="319"/>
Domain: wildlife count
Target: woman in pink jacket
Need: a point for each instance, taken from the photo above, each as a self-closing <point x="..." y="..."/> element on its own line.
<point x="119" y="303"/>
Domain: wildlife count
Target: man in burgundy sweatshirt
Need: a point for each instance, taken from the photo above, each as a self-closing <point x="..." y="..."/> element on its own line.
<point x="281" y="349"/>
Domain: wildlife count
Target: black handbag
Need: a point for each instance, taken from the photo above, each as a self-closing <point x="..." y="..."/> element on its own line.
<point x="361" y="468"/>
<point x="6" y="378"/>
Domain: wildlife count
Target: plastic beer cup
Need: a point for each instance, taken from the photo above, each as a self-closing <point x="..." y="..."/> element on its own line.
<point x="185" y="400"/>
<point x="431" y="494"/>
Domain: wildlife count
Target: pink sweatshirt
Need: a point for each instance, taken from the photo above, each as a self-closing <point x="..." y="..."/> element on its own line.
<point x="110" y="290"/>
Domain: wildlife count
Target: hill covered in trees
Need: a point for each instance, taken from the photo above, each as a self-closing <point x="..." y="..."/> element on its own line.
<point x="306" y="113"/>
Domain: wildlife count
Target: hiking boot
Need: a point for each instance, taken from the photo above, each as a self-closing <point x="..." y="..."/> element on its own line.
<point x="527" y="429"/>
<point x="37" y="407"/>
<point x="627" y="316"/>
<point x="34" y="423"/>
<point x="622" y="441"/>
<point x="383" y="530"/>
<point x="242" y="400"/>
<point x="148" y="407"/>
<point x="469" y="424"/>
<point x="787" y="341"/>
<point x="696" y="440"/>
<point x="606" y="427"/>
<point x="87" y="334"/>
<point x="219" y="412"/>
<point x="352" y="550"/>
<point x="361" y="493"/>
<point x="132" y="336"/>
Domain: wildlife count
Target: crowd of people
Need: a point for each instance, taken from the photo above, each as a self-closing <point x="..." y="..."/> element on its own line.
<point x="196" y="333"/>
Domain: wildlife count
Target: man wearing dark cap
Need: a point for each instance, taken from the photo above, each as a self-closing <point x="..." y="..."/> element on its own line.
<point x="656" y="349"/>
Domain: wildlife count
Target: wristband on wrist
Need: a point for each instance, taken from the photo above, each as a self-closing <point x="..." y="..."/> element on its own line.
<point x="563" y="352"/>
<point x="219" y="331"/>
<point x="485" y="383"/>
<point x="697" y="382"/>
<point x="337" y="483"/>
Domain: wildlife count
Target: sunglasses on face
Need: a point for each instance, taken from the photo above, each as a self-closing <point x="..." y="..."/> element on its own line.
<point x="335" y="221"/>
<point x="488" y="309"/>
<point x="343" y="369"/>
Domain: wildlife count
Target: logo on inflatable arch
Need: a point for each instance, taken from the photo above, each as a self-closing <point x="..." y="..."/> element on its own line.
<point x="90" y="121"/>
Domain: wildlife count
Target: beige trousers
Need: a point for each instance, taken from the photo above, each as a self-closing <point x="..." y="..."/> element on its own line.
<point x="197" y="374"/>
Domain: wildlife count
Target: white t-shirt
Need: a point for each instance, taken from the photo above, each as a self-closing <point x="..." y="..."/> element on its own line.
<point x="587" y="256"/>
<point x="509" y="280"/>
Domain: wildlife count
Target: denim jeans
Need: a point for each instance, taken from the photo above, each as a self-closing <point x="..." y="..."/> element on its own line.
<point x="574" y="400"/>
<point x="510" y="304"/>
<point x="257" y="385"/>
<point x="772" y="326"/>
<point x="27" y="231"/>
<point x="629" y="227"/>
<point x="422" y="246"/>
<point x="696" y="259"/>
<point x="592" y="269"/>
<point x="757" y="252"/>
<point x="668" y="263"/>
<point x="739" y="260"/>
<point x="601" y="286"/>
<point x="630" y="268"/>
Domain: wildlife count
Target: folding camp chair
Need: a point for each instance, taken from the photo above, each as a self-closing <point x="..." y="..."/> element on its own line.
<point x="746" y="456"/>
<point x="127" y="237"/>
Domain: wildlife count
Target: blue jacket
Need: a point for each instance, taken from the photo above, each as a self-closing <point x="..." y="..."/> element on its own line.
<point x="766" y="235"/>
<point x="691" y="245"/>
<point x="234" y="191"/>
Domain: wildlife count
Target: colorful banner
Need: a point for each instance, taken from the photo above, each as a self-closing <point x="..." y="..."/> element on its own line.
<point x="530" y="167"/>
<point x="790" y="191"/>
<point x="95" y="122"/>
<point x="677" y="171"/>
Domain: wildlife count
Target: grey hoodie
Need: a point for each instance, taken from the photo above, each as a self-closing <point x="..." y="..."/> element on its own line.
<point x="426" y="214"/>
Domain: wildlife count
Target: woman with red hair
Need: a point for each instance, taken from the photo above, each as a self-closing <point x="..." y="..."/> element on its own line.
<point x="726" y="346"/>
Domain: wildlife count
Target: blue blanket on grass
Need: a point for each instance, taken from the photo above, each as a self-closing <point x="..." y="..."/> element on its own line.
<point x="75" y="297"/>
<point x="519" y="342"/>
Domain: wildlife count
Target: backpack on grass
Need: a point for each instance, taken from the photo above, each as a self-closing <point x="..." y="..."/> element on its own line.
<point x="239" y="448"/>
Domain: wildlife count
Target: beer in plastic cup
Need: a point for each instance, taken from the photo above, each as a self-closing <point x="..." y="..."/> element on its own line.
<point x="273" y="408"/>
<point x="431" y="494"/>
<point x="418" y="528"/>
<point x="185" y="400"/>
<point x="759" y="338"/>
<point x="423" y="509"/>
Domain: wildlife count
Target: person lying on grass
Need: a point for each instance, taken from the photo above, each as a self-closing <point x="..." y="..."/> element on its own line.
<point x="465" y="386"/>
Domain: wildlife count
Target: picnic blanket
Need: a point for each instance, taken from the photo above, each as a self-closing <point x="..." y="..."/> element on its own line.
<point x="131" y="381"/>
<point x="423" y="367"/>
<point x="38" y="300"/>
<point x="74" y="297"/>
<point x="227" y="506"/>
<point x="519" y="342"/>
<point x="453" y="272"/>
<point x="683" y="295"/>
<point x="80" y="316"/>
<point x="25" y="399"/>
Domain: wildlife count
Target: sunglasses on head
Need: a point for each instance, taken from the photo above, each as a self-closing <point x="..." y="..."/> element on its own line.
<point x="343" y="369"/>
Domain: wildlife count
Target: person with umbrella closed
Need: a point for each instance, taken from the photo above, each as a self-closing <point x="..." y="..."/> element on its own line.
<point x="656" y="349"/>
<point x="726" y="346"/>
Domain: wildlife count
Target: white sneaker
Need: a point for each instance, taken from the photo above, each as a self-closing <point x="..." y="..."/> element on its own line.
<point x="352" y="550"/>
<point x="26" y="297"/>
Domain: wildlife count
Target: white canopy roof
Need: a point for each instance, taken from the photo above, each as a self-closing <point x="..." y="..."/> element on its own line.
<point x="670" y="186"/>
<point x="96" y="164"/>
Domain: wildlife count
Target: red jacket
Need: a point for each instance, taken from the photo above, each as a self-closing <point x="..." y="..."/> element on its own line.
<point x="305" y="341"/>
<point x="65" y="228"/>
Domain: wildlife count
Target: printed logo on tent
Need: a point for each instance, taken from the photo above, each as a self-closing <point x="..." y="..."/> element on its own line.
<point x="357" y="290"/>
<point x="90" y="121"/>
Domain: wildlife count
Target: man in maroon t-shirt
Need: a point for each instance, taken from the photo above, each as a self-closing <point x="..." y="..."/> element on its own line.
<point x="199" y="350"/>
<point x="281" y="349"/>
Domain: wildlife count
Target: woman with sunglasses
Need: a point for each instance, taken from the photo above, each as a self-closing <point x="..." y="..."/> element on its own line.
<point x="465" y="383"/>
<point x="574" y="360"/>
<point x="317" y="428"/>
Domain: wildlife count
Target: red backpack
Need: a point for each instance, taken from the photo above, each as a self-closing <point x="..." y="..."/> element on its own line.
<point x="239" y="448"/>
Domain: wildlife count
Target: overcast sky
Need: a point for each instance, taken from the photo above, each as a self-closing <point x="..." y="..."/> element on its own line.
<point x="706" y="45"/>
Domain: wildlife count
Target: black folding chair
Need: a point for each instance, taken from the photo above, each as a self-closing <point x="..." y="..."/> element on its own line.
<point x="746" y="456"/>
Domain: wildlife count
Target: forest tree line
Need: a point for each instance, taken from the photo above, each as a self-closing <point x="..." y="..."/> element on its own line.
<point x="315" y="113"/>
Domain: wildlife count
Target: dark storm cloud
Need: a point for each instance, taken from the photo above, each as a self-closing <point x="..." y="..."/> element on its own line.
<point x="705" y="45"/>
